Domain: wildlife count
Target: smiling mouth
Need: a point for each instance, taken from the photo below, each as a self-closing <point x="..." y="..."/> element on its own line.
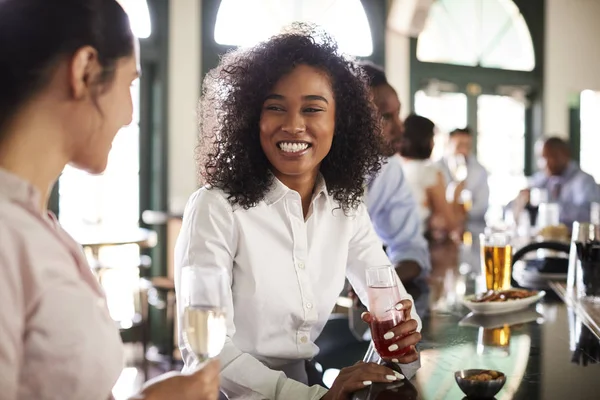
<point x="293" y="147"/>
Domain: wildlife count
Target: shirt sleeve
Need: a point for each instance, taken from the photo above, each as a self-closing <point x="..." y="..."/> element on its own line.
<point x="578" y="206"/>
<point x="395" y="217"/>
<point x="12" y="314"/>
<point x="480" y="189"/>
<point x="208" y="237"/>
<point x="365" y="251"/>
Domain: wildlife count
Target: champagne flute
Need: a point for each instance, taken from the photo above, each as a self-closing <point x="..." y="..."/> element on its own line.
<point x="203" y="321"/>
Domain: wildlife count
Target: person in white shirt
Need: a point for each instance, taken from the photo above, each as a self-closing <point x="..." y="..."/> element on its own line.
<point x="425" y="179"/>
<point x="289" y="137"/>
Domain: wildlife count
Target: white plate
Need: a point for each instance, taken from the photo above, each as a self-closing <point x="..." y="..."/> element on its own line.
<point x="498" y="321"/>
<point x="501" y="307"/>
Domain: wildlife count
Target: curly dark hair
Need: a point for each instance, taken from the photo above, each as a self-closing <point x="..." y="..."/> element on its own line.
<point x="230" y="156"/>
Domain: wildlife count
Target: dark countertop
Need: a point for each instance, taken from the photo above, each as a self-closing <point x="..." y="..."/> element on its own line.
<point x="540" y="358"/>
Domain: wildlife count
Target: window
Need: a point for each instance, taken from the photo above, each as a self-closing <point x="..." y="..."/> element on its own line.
<point x="139" y="17"/>
<point x="487" y="33"/>
<point x="590" y="138"/>
<point x="110" y="200"/>
<point x="446" y="110"/>
<point x="247" y="22"/>
<point x="501" y="145"/>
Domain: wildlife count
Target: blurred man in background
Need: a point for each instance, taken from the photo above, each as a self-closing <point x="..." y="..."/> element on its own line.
<point x="564" y="182"/>
<point x="459" y="164"/>
<point x="389" y="200"/>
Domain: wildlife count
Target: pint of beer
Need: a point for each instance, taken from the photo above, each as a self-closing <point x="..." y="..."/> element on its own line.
<point x="496" y="260"/>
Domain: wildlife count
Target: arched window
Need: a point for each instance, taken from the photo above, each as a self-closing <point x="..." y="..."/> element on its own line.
<point x="486" y="33"/>
<point x="246" y="22"/>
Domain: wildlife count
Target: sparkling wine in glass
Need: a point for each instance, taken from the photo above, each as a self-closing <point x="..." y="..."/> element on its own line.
<point x="203" y="317"/>
<point x="384" y="294"/>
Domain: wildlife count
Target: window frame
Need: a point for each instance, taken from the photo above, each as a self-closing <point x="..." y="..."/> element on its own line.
<point x="376" y="11"/>
<point x="489" y="79"/>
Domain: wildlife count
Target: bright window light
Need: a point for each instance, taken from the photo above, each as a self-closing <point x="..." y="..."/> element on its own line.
<point x="139" y="17"/>
<point x="489" y="33"/>
<point x="246" y="22"/>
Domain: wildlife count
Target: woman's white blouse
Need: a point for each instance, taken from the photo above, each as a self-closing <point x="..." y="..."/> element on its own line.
<point x="286" y="275"/>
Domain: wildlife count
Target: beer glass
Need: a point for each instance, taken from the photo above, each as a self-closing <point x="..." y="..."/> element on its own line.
<point x="496" y="259"/>
<point x="494" y="341"/>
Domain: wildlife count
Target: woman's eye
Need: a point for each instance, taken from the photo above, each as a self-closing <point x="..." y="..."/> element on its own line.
<point x="312" y="110"/>
<point x="274" y="108"/>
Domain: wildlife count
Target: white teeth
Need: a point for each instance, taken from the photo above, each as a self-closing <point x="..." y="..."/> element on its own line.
<point x="290" y="147"/>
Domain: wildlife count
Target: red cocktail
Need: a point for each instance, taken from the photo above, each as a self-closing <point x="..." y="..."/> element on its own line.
<point x="384" y="295"/>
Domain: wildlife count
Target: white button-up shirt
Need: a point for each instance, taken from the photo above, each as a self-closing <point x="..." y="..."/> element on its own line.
<point x="286" y="274"/>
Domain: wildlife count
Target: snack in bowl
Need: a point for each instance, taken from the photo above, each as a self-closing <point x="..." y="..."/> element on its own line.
<point x="555" y="233"/>
<point x="480" y="383"/>
<point x="503" y="295"/>
<point x="483" y="376"/>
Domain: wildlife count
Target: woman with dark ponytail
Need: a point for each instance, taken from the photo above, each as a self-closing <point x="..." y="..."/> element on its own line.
<point x="66" y="67"/>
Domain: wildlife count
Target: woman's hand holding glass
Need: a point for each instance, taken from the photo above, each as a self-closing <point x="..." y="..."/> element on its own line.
<point x="402" y="336"/>
<point x="358" y="376"/>
<point x="393" y="330"/>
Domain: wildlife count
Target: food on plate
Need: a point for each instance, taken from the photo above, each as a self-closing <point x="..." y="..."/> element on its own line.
<point x="485" y="376"/>
<point x="503" y="295"/>
<point x="555" y="232"/>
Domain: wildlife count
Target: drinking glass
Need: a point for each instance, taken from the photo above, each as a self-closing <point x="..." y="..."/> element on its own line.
<point x="538" y="196"/>
<point x="582" y="233"/>
<point x="203" y="305"/>
<point x="384" y="294"/>
<point x="494" y="341"/>
<point x="496" y="259"/>
<point x="458" y="167"/>
<point x="466" y="200"/>
<point x="548" y="215"/>
<point x="595" y="213"/>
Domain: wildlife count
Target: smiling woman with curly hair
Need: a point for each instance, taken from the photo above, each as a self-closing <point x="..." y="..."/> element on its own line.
<point x="288" y="139"/>
<point x="232" y="105"/>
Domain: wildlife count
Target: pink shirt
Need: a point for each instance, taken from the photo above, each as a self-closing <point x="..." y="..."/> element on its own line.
<point x="57" y="340"/>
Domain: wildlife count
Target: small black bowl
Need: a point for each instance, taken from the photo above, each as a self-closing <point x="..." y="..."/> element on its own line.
<point x="479" y="389"/>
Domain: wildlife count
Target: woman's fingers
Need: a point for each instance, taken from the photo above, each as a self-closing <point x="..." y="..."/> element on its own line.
<point x="406" y="307"/>
<point x="407" y="358"/>
<point x="369" y="374"/>
<point x="406" y="341"/>
<point x="402" y="329"/>
<point x="367" y="317"/>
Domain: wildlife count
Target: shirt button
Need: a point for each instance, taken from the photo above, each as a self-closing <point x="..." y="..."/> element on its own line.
<point x="301" y="265"/>
<point x="309" y="305"/>
<point x="303" y="339"/>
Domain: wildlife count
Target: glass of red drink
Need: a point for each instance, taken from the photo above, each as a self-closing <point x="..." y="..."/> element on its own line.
<point x="384" y="295"/>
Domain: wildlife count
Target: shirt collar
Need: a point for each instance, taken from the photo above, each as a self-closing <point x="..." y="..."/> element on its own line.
<point x="278" y="190"/>
<point x="567" y="174"/>
<point x="571" y="170"/>
<point x="17" y="189"/>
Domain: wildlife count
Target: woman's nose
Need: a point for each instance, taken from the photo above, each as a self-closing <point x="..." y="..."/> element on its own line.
<point x="294" y="124"/>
